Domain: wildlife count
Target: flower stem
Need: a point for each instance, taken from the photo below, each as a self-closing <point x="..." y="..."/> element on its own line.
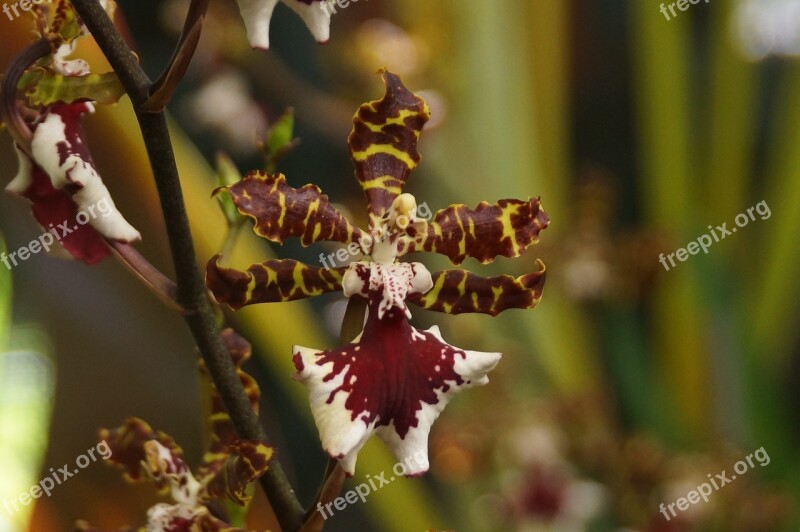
<point x="191" y="290"/>
<point x="163" y="88"/>
<point x="9" y="111"/>
<point x="152" y="277"/>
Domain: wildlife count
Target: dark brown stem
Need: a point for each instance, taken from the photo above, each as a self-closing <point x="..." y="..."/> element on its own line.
<point x="332" y="483"/>
<point x="162" y="90"/>
<point x="191" y="290"/>
<point x="9" y="111"/>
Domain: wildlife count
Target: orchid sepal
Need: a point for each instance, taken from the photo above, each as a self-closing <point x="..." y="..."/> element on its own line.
<point x="281" y="212"/>
<point x="459" y="291"/>
<point x="275" y="280"/>
<point x="506" y="228"/>
<point x="383" y="144"/>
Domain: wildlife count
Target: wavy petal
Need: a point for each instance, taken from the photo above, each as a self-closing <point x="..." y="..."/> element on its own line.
<point x="244" y="463"/>
<point x="48" y="88"/>
<point x="127" y="445"/>
<point x="383" y="144"/>
<point x="230" y="465"/>
<point x="222" y="432"/>
<point x="459" y="291"/>
<point x="270" y="282"/>
<point x="506" y="228"/>
<point x="281" y="212"/>
<point x="393" y="380"/>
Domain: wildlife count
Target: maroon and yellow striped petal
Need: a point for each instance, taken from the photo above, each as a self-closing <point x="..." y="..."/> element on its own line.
<point x="383" y="144"/>
<point x="244" y="462"/>
<point x="459" y="291"/>
<point x="281" y="212"/>
<point x="272" y="281"/>
<point x="222" y="432"/>
<point x="230" y="464"/>
<point x="506" y="228"/>
<point x="127" y="442"/>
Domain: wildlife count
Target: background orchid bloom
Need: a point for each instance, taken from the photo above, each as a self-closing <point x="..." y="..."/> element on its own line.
<point x="56" y="172"/>
<point x="61" y="181"/>
<point x="393" y="380"/>
<point x="229" y="466"/>
<point x="257" y="15"/>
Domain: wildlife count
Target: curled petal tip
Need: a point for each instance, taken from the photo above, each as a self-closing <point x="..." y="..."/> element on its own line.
<point x="257" y="15"/>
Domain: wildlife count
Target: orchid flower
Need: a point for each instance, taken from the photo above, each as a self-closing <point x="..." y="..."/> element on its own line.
<point x="393" y="380"/>
<point x="257" y="15"/>
<point x="56" y="172"/>
<point x="228" y="468"/>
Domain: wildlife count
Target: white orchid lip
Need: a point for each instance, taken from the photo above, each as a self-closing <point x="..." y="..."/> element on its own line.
<point x="393" y="380"/>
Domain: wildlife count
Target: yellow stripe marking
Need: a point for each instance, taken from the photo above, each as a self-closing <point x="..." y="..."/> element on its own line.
<point x="388" y="149"/>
